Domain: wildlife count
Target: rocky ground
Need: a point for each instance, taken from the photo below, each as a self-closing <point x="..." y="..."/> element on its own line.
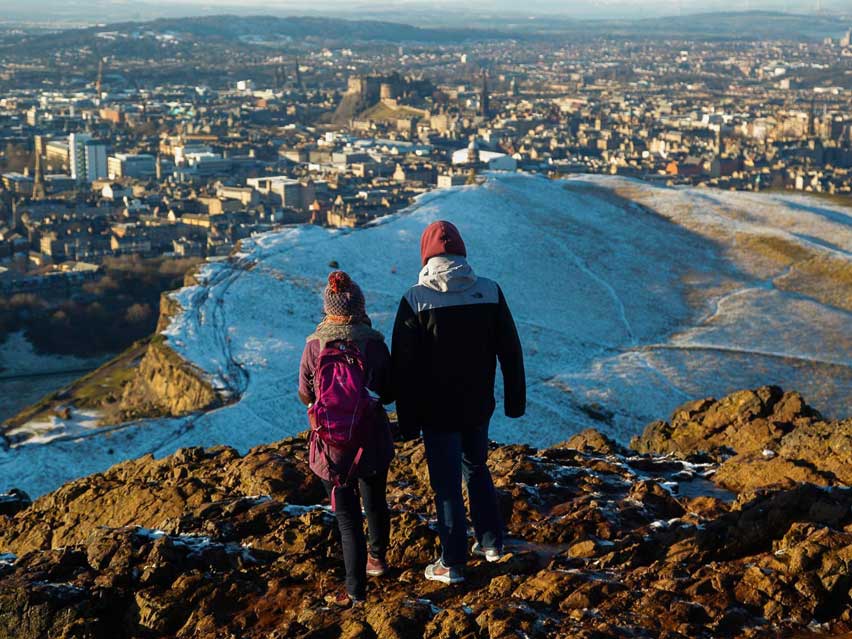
<point x="731" y="520"/>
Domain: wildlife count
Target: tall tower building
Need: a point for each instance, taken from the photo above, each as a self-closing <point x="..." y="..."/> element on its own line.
<point x="99" y="82"/>
<point x="88" y="157"/>
<point x="484" y="103"/>
<point x="77" y="155"/>
<point x="38" y="177"/>
<point x="16" y="214"/>
<point x="812" y="118"/>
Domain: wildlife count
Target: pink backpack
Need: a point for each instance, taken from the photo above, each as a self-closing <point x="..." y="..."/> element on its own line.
<point x="340" y="416"/>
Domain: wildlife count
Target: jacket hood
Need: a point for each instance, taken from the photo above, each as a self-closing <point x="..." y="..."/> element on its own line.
<point x="447" y="273"/>
<point x="441" y="238"/>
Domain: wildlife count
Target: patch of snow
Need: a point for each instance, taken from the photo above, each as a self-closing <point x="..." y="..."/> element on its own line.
<point x="672" y="486"/>
<point x="768" y="454"/>
<point x="196" y="544"/>
<point x="150" y="533"/>
<point x="693" y="467"/>
<point x="54" y="427"/>
<point x="62" y="590"/>
<point x="651" y="308"/>
<point x="433" y="609"/>
<point x="294" y="510"/>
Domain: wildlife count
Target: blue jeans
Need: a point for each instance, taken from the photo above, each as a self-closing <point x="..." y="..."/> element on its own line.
<point x="450" y="457"/>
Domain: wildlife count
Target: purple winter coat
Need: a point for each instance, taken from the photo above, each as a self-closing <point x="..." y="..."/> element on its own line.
<point x="378" y="452"/>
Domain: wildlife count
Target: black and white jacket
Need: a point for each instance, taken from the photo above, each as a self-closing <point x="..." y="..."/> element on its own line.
<point x="450" y="331"/>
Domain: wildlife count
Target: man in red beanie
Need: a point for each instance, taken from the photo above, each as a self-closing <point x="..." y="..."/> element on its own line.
<point x="451" y="329"/>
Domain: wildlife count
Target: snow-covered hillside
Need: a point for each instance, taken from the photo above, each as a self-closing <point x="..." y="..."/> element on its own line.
<point x="630" y="300"/>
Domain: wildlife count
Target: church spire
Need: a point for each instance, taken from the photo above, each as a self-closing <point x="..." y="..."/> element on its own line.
<point x="484" y="105"/>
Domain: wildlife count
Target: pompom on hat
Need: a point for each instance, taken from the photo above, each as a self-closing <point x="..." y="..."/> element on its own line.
<point x="343" y="300"/>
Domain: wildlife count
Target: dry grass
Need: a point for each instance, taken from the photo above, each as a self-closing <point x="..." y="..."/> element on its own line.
<point x="826" y="278"/>
<point x="770" y="252"/>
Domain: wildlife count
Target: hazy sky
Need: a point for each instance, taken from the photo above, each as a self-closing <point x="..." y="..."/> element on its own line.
<point x="413" y="11"/>
<point x="567" y="7"/>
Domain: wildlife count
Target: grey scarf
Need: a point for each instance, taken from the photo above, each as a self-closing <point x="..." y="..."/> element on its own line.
<point x="359" y="333"/>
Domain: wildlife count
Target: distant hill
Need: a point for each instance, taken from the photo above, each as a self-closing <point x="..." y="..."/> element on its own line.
<point x="733" y="25"/>
<point x="750" y="25"/>
<point x="256" y="29"/>
<point x="233" y="28"/>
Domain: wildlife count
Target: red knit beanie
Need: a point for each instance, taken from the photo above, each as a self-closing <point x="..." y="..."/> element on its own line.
<point x="441" y="238"/>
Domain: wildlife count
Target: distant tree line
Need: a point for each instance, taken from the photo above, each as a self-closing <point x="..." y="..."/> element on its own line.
<point x="105" y="316"/>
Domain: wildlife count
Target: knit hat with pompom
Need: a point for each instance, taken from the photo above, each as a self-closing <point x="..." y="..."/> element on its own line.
<point x="343" y="298"/>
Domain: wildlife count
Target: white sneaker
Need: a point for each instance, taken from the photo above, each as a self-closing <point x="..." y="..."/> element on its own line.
<point x="490" y="554"/>
<point x="445" y="574"/>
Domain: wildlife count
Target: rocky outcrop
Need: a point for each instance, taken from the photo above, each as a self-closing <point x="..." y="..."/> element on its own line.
<point x="746" y="421"/>
<point x="604" y="543"/>
<point x="762" y="437"/>
<point x="169" y="306"/>
<point x="166" y="384"/>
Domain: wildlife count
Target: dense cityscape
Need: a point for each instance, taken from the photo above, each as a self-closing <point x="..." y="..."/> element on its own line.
<point x="554" y="296"/>
<point x="171" y="141"/>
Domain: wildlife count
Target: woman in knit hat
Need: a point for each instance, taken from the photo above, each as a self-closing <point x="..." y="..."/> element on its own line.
<point x="344" y="473"/>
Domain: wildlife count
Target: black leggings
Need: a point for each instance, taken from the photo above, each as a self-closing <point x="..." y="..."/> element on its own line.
<point x="349" y="521"/>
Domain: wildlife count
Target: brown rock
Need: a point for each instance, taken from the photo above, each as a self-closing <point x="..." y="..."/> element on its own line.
<point x="547" y="586"/>
<point x="750" y="471"/>
<point x="249" y="553"/>
<point x="399" y="620"/>
<point x="451" y="624"/>
<point x="656" y="499"/>
<point x="583" y="549"/>
<point x="593" y="441"/>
